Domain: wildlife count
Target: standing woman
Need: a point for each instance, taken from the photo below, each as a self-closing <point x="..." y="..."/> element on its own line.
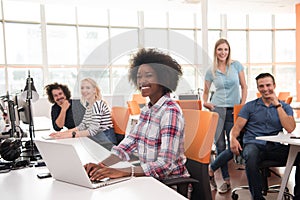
<point x="97" y="120"/>
<point x="227" y="76"/>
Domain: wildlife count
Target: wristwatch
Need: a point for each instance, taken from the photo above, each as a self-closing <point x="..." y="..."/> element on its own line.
<point x="73" y="134"/>
<point x="278" y="105"/>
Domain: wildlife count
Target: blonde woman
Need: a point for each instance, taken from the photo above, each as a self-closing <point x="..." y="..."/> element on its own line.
<point x="96" y="121"/>
<point x="228" y="78"/>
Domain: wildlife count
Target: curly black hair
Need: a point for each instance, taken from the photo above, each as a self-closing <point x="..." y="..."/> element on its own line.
<point x="167" y="69"/>
<point x="56" y="86"/>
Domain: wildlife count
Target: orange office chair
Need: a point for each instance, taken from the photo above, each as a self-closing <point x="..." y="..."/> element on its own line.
<point x="134" y="108"/>
<point x="236" y="111"/>
<point x="190" y="104"/>
<point x="139" y="99"/>
<point x="264" y="168"/>
<point x="134" y="111"/>
<point x="289" y="100"/>
<point x="120" y="117"/>
<point x="283" y="95"/>
<point x="200" y="127"/>
<point x="258" y="95"/>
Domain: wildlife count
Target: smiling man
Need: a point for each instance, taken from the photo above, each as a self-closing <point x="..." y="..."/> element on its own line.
<point x="264" y="116"/>
<point x="61" y="111"/>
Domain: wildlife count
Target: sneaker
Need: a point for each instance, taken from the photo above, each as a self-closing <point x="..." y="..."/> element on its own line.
<point x="212" y="182"/>
<point x="225" y="187"/>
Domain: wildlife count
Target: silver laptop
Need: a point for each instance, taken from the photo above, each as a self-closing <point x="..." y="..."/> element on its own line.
<point x="65" y="165"/>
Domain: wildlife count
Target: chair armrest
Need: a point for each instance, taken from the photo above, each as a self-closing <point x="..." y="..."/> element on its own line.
<point x="179" y="180"/>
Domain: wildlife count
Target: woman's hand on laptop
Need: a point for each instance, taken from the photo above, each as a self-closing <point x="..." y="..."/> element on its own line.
<point x="61" y="135"/>
<point x="100" y="171"/>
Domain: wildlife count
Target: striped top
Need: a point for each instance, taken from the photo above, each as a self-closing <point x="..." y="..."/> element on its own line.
<point x="96" y="119"/>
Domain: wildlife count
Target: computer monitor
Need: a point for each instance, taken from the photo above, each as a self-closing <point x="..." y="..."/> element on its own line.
<point x="14" y="122"/>
<point x="23" y="109"/>
<point x="188" y="97"/>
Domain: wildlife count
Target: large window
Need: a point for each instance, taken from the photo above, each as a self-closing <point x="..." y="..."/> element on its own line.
<point x="260" y="46"/>
<point x="18" y="76"/>
<point x="61" y="43"/>
<point x="238" y="44"/>
<point x="23" y="43"/>
<point x="1" y="45"/>
<point x="285" y="51"/>
<point x="2" y="80"/>
<point x="93" y="45"/>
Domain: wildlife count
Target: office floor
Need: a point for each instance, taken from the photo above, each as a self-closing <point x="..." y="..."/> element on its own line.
<point x="238" y="177"/>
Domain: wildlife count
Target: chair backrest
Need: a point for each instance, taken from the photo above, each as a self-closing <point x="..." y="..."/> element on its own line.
<point x="200" y="127"/>
<point x="190" y="104"/>
<point x="258" y="95"/>
<point x="236" y="111"/>
<point x="120" y="117"/>
<point x="289" y="100"/>
<point x="134" y="108"/>
<point x="283" y="95"/>
<point x="139" y="99"/>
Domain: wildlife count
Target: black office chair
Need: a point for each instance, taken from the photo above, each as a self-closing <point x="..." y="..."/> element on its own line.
<point x="266" y="171"/>
<point x="200" y="127"/>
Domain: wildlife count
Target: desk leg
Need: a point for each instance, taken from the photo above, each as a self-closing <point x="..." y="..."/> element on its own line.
<point x="294" y="149"/>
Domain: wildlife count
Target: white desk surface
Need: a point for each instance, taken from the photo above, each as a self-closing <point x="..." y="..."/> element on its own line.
<point x="23" y="184"/>
<point x="294" y="150"/>
<point x="281" y="137"/>
<point x="295" y="105"/>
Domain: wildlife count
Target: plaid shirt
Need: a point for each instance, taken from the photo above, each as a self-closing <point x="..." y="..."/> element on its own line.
<point x="159" y="140"/>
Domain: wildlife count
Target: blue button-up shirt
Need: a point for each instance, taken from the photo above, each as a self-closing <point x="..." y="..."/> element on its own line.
<point x="262" y="120"/>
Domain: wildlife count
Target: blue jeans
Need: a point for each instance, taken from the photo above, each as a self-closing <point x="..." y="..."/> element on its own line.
<point x="225" y="124"/>
<point x="254" y="154"/>
<point x="106" y="136"/>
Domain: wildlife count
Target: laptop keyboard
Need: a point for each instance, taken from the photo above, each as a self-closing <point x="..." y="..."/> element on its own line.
<point x="100" y="181"/>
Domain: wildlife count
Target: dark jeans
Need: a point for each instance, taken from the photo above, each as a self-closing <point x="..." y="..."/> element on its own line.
<point x="106" y="136"/>
<point x="225" y="124"/>
<point x="254" y="154"/>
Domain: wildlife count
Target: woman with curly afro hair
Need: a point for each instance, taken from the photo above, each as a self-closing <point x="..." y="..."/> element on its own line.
<point x="158" y="137"/>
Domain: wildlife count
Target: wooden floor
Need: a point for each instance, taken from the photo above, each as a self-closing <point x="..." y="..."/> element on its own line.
<point x="238" y="177"/>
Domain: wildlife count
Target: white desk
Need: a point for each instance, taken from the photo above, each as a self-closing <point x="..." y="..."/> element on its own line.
<point x="24" y="184"/>
<point x="295" y="105"/>
<point x="294" y="150"/>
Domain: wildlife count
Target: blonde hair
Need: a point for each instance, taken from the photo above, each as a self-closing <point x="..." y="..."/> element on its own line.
<point x="216" y="61"/>
<point x="98" y="95"/>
